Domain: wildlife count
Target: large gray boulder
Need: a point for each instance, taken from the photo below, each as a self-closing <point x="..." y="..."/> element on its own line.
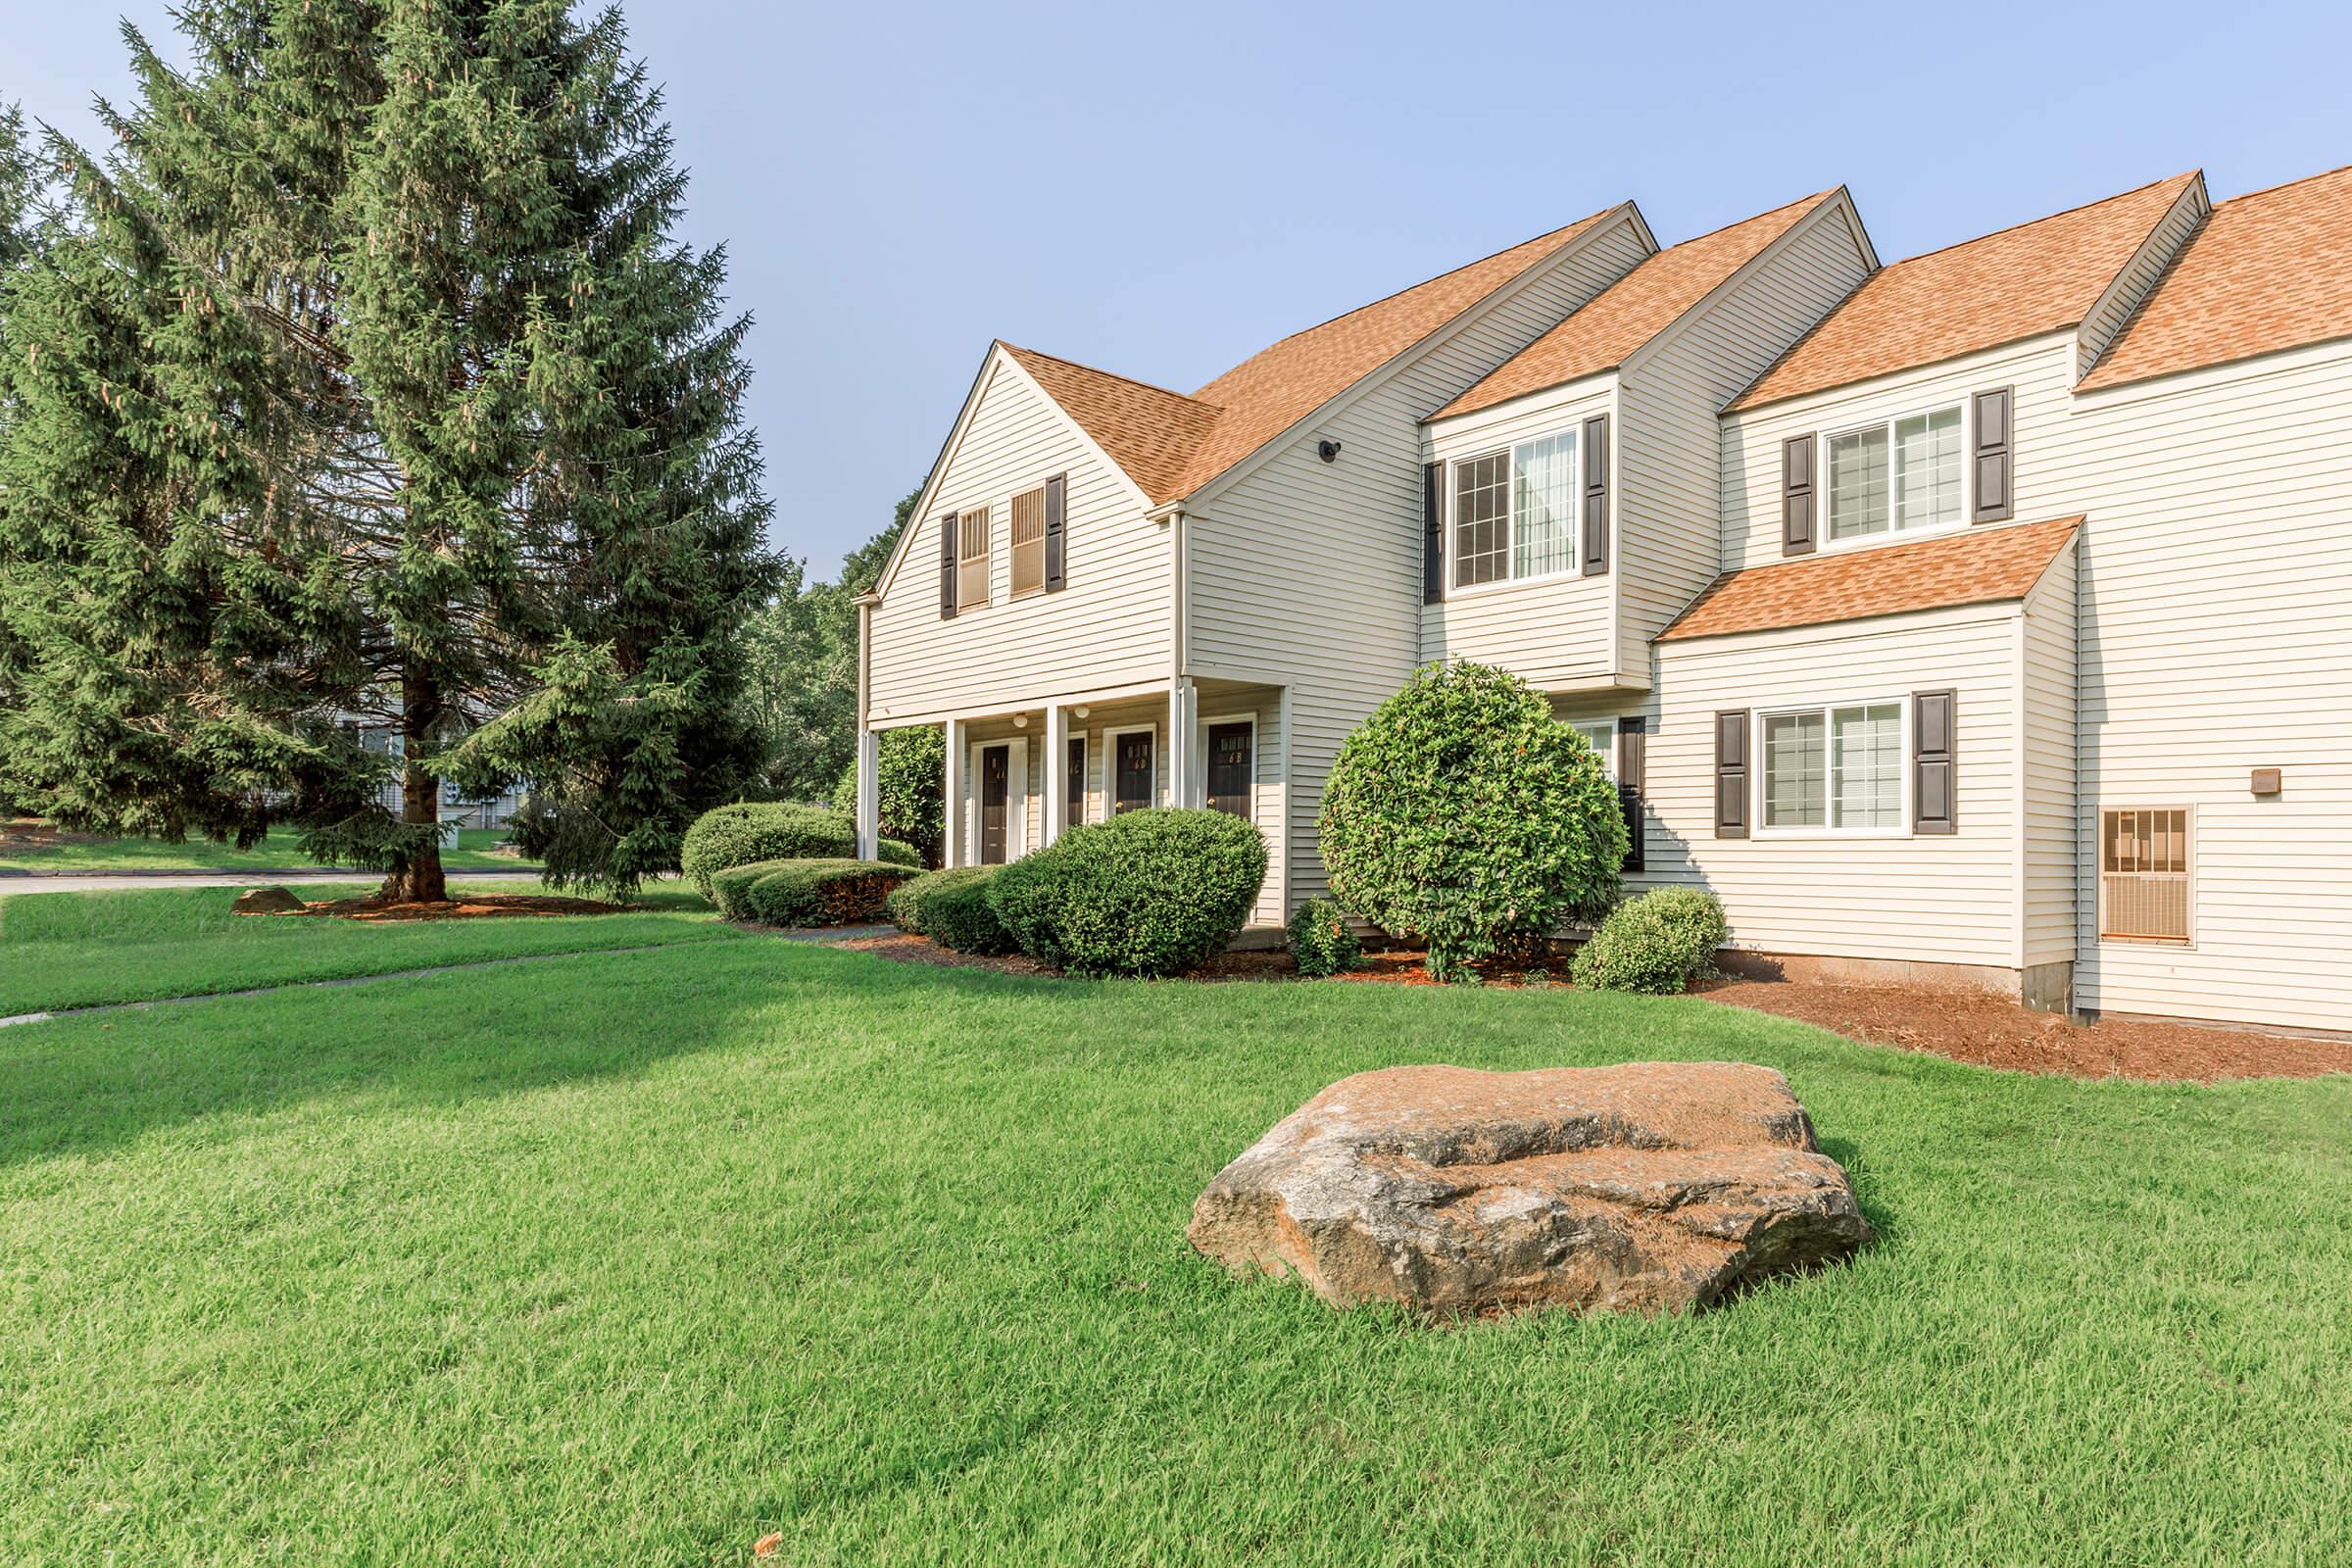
<point x="1650" y="1187"/>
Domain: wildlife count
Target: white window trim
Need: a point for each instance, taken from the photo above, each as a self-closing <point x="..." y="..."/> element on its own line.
<point x="1758" y="770"/>
<point x="989" y="509"/>
<point x="1607" y="747"/>
<point x="1012" y="595"/>
<point x="1017" y="796"/>
<point x="1200" y="756"/>
<point x="1576" y="498"/>
<point x="2188" y="830"/>
<point x="1826" y="544"/>
<point x="1110" y="765"/>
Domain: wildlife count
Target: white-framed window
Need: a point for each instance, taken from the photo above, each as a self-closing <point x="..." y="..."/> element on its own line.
<point x="1514" y="511"/>
<point x="1602" y="735"/>
<point x="2145" y="876"/>
<point x="1833" y="768"/>
<point x="1898" y="475"/>
<point x="1029" y="542"/>
<point x="971" y="558"/>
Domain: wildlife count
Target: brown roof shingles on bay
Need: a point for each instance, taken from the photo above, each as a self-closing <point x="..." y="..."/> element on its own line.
<point x="1632" y="310"/>
<point x="2266" y="272"/>
<point x="2021" y="282"/>
<point x="1171" y="445"/>
<point x="1984" y="565"/>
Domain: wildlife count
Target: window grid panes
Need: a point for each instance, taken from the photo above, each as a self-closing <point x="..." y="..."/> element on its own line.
<point x="1543" y="506"/>
<point x="1602" y="735"/>
<point x="1866" y="766"/>
<point x="1903" y="474"/>
<point x="2143" y="875"/>
<point x="1858" y="483"/>
<point x="1482" y="540"/>
<point x="1794" y="771"/>
<point x="1927" y="470"/>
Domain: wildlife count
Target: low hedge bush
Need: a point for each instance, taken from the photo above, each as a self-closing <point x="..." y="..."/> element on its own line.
<point x="1153" y="891"/>
<point x="1658" y="943"/>
<point x="806" y="892"/>
<point x="1322" y="942"/>
<point x="730" y="836"/>
<point x="952" y="909"/>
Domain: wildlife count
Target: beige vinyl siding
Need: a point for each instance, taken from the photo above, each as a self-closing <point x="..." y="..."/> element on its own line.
<point x="2216" y="639"/>
<point x="1934" y="899"/>
<point x="1669" y="468"/>
<point x="2039" y="370"/>
<point x="2046" y="764"/>
<point x="2132" y="285"/>
<point x="1307" y="574"/>
<point x="1111" y="626"/>
<point x="1552" y="630"/>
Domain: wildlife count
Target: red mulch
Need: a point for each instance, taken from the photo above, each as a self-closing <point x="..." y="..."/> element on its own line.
<point x="465" y="907"/>
<point x="33" y="833"/>
<point x="1962" y="1025"/>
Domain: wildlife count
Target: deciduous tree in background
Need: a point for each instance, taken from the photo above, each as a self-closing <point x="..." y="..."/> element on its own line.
<point x="370" y="384"/>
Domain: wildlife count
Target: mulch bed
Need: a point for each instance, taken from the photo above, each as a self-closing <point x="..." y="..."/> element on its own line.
<point x="467" y="907"/>
<point x="1962" y="1025"/>
<point x="32" y="833"/>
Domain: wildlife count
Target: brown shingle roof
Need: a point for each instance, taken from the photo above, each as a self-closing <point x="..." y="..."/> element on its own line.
<point x="1632" y="310"/>
<point x="1171" y="443"/>
<point x="1981" y="566"/>
<point x="2037" y="278"/>
<point x="2265" y="273"/>
<point x="1147" y="430"/>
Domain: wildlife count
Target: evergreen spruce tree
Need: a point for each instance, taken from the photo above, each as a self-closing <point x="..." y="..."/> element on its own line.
<point x="372" y="387"/>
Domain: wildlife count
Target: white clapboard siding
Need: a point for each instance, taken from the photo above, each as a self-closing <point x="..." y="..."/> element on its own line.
<point x="1552" y="630"/>
<point x="2045" y="767"/>
<point x="1308" y="575"/>
<point x="1113" y="626"/>
<point x="2131" y="284"/>
<point x="1669" y="468"/>
<point x="1934" y="899"/>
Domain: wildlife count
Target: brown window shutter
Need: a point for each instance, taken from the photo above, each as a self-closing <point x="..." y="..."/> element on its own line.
<point x="1933" y="806"/>
<point x="1597" y="496"/>
<point x="1731" y="774"/>
<point x="1797" y="496"/>
<point x="1633" y="769"/>
<point x="946" y="566"/>
<point x="1433" y="535"/>
<point x="1991" y="422"/>
<point x="1057" y="505"/>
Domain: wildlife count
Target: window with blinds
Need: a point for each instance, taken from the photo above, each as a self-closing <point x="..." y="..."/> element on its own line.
<point x="971" y="558"/>
<point x="1029" y="542"/>
<point x="2143" y="875"/>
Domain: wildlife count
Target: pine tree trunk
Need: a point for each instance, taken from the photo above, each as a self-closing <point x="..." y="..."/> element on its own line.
<point x="420" y="880"/>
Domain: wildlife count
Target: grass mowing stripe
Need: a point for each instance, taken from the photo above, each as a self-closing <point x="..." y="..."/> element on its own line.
<point x="77" y="950"/>
<point x="712" y="1241"/>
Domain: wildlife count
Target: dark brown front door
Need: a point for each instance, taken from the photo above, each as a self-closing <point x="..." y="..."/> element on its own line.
<point x="995" y="779"/>
<point x="1135" y="772"/>
<point x="1229" y="768"/>
<point x="1074" y="802"/>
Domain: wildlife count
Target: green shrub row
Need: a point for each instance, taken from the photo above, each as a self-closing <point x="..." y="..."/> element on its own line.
<point x="1658" y="943"/>
<point x="1322" y="942"/>
<point x="952" y="909"/>
<point x="806" y="892"/>
<point x="731" y="836"/>
<point x="1153" y="891"/>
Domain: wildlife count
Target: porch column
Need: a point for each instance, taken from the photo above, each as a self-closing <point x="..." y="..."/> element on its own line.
<point x="950" y="844"/>
<point x="1183" y="719"/>
<point x="1053" y="777"/>
<point x="869" y="794"/>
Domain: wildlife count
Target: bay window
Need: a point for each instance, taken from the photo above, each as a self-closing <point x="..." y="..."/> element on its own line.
<point x="1833" y="769"/>
<point x="1514" y="511"/>
<point x="1897" y="475"/>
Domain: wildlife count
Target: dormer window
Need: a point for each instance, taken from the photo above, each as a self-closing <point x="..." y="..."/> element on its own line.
<point x="1514" y="511"/>
<point x="1895" y="476"/>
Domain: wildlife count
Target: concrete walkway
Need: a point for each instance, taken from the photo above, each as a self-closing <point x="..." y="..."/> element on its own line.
<point x="14" y="881"/>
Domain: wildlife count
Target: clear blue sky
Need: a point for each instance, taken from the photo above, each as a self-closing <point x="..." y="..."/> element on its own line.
<point x="1161" y="190"/>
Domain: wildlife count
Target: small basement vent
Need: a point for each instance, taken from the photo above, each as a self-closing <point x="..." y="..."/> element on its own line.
<point x="2143" y="875"/>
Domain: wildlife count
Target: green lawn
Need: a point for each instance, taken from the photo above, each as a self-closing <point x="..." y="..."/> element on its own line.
<point x="635" y="1258"/>
<point x="78" y="950"/>
<point x="467" y="850"/>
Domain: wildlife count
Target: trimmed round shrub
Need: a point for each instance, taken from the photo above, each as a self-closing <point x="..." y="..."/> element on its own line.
<point x="1322" y="942"/>
<point x="729" y="836"/>
<point x="952" y="909"/>
<point x="1154" y="892"/>
<point x="806" y="892"/>
<point x="1658" y="943"/>
<point x="1463" y="815"/>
